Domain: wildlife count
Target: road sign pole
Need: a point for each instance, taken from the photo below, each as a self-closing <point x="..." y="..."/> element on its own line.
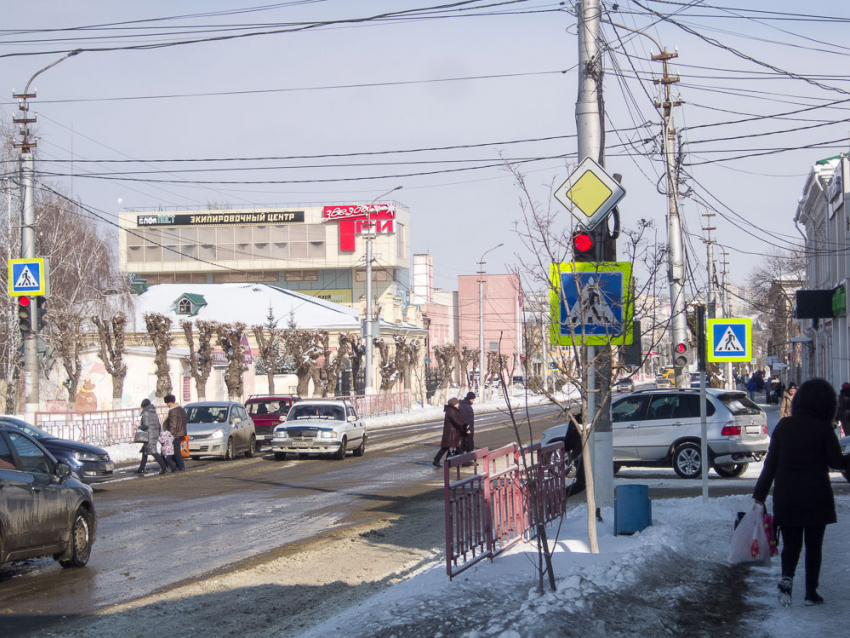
<point x="28" y="251"/>
<point x="703" y="408"/>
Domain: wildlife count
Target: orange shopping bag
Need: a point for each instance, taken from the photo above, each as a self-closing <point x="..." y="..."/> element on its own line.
<point x="184" y="447"/>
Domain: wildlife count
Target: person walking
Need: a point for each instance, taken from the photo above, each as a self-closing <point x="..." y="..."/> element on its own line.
<point x="752" y="384"/>
<point x="802" y="448"/>
<point x="467" y="443"/>
<point x="844" y="409"/>
<point x="150" y="424"/>
<point x="787" y="397"/>
<point x="453" y="430"/>
<point x="175" y="423"/>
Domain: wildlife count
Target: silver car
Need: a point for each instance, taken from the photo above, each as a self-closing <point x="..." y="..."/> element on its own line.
<point x="320" y="427"/>
<point x="220" y="428"/>
<point x="662" y="427"/>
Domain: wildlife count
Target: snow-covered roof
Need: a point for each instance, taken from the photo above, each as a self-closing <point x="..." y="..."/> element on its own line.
<point x="249" y="303"/>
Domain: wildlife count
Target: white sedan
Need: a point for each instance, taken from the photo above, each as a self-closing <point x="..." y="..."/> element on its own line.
<point x="320" y="427"/>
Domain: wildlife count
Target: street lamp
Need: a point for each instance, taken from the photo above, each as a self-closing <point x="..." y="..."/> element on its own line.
<point x="481" y="263"/>
<point x="369" y="235"/>
<point x="26" y="145"/>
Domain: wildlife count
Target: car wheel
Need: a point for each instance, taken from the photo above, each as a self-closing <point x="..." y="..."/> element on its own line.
<point x="361" y="449"/>
<point x="731" y="471"/>
<point x="228" y="455"/>
<point x="80" y="540"/>
<point x="280" y="456"/>
<point x="340" y="453"/>
<point x="687" y="460"/>
<point x="252" y="447"/>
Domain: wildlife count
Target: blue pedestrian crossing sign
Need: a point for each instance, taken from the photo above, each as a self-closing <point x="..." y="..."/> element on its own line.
<point x="591" y="303"/>
<point x="730" y="340"/>
<point x="27" y="277"/>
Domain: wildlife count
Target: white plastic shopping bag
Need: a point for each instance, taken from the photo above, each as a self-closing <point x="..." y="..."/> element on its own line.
<point x="749" y="541"/>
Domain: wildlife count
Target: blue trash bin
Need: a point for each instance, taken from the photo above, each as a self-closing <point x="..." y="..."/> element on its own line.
<point x="632" y="509"/>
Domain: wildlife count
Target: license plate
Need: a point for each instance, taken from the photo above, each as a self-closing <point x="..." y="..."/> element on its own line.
<point x="264" y="437"/>
<point x="753" y="429"/>
<point x="302" y="445"/>
<point x="109" y="467"/>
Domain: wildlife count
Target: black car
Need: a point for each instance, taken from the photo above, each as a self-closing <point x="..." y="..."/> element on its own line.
<point x="44" y="510"/>
<point x="88" y="463"/>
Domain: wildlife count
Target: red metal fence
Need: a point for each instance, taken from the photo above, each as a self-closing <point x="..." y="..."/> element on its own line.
<point x="379" y="404"/>
<point x="101" y="428"/>
<point x="491" y="510"/>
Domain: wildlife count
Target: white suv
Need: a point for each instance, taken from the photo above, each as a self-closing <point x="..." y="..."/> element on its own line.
<point x="320" y="427"/>
<point x="662" y="427"/>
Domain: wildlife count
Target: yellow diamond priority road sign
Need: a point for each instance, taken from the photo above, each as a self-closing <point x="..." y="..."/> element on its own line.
<point x="590" y="193"/>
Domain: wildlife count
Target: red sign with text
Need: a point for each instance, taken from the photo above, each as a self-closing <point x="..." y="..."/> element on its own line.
<point x="356" y="219"/>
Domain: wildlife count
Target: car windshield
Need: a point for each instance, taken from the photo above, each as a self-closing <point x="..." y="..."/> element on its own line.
<point x="34" y="432"/>
<point x="739" y="404"/>
<point x="206" y="414"/>
<point x="325" y="412"/>
<point x="624" y="382"/>
<point x="263" y="408"/>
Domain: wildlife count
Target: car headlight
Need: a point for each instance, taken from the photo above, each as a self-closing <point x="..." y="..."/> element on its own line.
<point x="84" y="456"/>
<point x="281" y="434"/>
<point x="217" y="434"/>
<point x="327" y="434"/>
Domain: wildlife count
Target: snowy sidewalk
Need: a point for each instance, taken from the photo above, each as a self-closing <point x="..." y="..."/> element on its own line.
<point x="672" y="579"/>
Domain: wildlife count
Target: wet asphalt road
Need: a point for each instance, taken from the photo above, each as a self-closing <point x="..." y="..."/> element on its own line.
<point x="156" y="532"/>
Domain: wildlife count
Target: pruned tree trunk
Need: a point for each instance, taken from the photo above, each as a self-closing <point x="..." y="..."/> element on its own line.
<point x="159" y="331"/>
<point x="112" y="353"/>
<point x="230" y="340"/>
<point x="67" y="324"/>
<point x="200" y="362"/>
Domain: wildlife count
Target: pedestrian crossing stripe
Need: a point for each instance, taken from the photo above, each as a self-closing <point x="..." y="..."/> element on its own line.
<point x="729" y="340"/>
<point x="27" y="277"/>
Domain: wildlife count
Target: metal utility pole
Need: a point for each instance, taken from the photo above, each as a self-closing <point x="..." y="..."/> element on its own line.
<point x="589" y="127"/>
<point x="369" y="236"/>
<point x="675" y="242"/>
<point x="727" y="312"/>
<point x="482" y="359"/>
<point x="712" y="271"/>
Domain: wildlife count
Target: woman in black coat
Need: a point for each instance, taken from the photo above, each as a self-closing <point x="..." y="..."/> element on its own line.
<point x="453" y="429"/>
<point x="802" y="449"/>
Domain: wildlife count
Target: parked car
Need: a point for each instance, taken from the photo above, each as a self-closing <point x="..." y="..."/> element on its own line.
<point x="662" y="428"/>
<point x="320" y="427"/>
<point x="44" y="509"/>
<point x="625" y="385"/>
<point x="88" y="463"/>
<point x="220" y="428"/>
<point x="267" y="411"/>
<point x="662" y="382"/>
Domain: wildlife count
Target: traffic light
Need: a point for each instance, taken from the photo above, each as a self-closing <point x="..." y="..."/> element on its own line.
<point x="25" y="314"/>
<point x="584" y="246"/>
<point x="41" y="317"/>
<point x="680" y="355"/>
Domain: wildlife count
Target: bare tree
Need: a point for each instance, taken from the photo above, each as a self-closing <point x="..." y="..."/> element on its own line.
<point x="407" y="360"/>
<point x="159" y="331"/>
<point x="268" y="337"/>
<point x="200" y="362"/>
<point x="445" y="356"/>
<point x="335" y="364"/>
<point x="112" y="352"/>
<point x="303" y="349"/>
<point x="388" y="368"/>
<point x="230" y="339"/>
<point x="465" y="356"/>
<point x="67" y="323"/>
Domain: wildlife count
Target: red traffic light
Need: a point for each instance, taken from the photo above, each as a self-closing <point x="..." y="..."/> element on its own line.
<point x="24" y="301"/>
<point x="582" y="242"/>
<point x="680" y="348"/>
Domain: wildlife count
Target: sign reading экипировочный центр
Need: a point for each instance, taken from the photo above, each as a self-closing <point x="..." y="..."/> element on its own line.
<point x="729" y="340"/>
<point x="591" y="303"/>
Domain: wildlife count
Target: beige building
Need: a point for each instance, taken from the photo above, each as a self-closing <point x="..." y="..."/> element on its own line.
<point x="318" y="250"/>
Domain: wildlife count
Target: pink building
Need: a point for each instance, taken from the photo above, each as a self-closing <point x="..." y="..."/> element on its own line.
<point x="502" y="314"/>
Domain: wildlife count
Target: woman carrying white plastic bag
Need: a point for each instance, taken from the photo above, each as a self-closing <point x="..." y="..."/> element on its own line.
<point x="750" y="545"/>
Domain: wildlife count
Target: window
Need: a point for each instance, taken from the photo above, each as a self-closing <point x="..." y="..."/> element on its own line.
<point x="351" y="412"/>
<point x="664" y="406"/>
<point x="629" y="409"/>
<point x="301" y="275"/>
<point x="7" y="461"/>
<point x="693" y="406"/>
<point x="184" y="307"/>
<point x="400" y="238"/>
<point x="377" y="275"/>
<point x="32" y="459"/>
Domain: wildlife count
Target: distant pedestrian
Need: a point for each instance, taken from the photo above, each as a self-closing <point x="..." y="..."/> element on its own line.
<point x="787" y="396"/>
<point x="166" y="442"/>
<point x="752" y="385"/>
<point x="150" y="424"/>
<point x="175" y="423"/>
<point x="802" y="449"/>
<point x="453" y="430"/>
<point x="467" y="443"/>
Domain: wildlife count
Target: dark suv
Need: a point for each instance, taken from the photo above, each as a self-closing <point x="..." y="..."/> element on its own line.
<point x="267" y="411"/>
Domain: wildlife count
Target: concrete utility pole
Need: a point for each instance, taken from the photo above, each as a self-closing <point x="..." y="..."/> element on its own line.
<point x="589" y="127"/>
<point x="727" y="312"/>
<point x="482" y="359"/>
<point x="675" y="242"/>
<point x="369" y="236"/>
<point x="712" y="271"/>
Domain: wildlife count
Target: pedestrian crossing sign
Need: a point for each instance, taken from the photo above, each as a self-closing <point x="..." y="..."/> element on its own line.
<point x="591" y="303"/>
<point x="27" y="277"/>
<point x="730" y="340"/>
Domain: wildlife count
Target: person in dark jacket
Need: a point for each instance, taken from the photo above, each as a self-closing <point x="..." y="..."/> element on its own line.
<point x="802" y="449"/>
<point x="467" y="443"/>
<point x="453" y="430"/>
<point x="175" y="423"/>
<point x="844" y="408"/>
<point x="787" y="397"/>
<point x="150" y="424"/>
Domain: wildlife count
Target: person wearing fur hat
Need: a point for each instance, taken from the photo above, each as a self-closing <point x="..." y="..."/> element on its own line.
<point x="453" y="430"/>
<point x="467" y="443"/>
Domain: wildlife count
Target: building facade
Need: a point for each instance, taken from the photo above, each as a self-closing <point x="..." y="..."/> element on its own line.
<point x="318" y="250"/>
<point x="502" y="312"/>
